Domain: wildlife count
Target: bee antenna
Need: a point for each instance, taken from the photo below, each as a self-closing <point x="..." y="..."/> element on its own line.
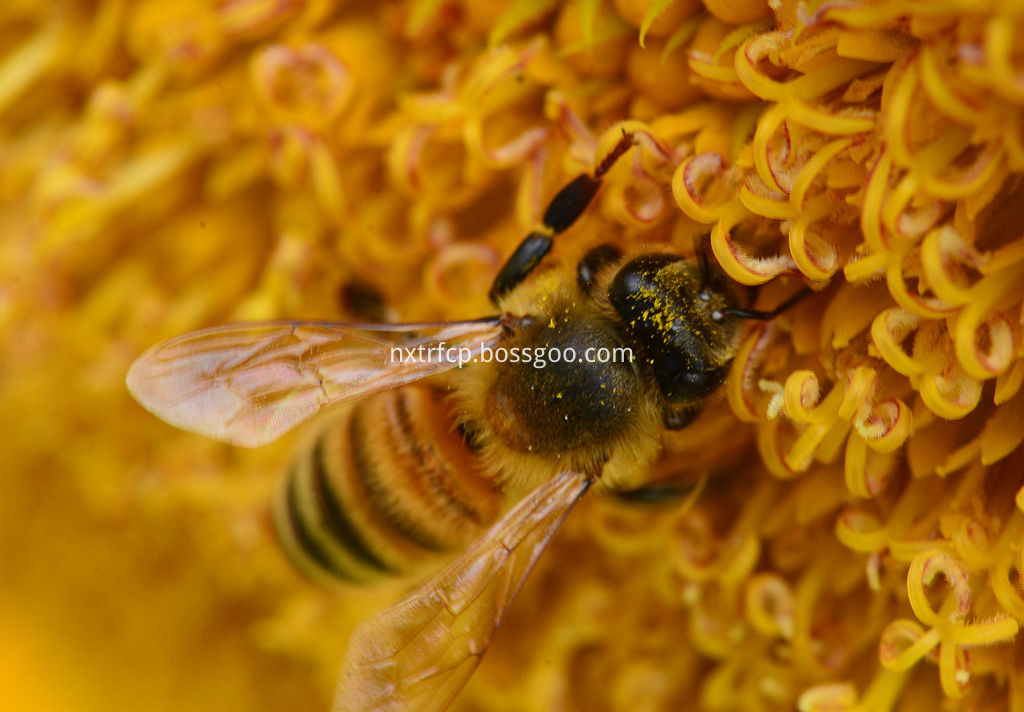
<point x="701" y="246"/>
<point x="767" y="315"/>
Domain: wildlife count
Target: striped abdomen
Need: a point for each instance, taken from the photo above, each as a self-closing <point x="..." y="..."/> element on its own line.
<point x="382" y="488"/>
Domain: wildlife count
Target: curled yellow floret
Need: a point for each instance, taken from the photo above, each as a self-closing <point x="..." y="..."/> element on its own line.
<point x="841" y="526"/>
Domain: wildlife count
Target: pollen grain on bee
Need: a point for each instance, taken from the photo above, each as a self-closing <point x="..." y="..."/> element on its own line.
<point x="537" y="356"/>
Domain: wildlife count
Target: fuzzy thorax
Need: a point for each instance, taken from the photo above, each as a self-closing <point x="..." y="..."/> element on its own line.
<point x="545" y="413"/>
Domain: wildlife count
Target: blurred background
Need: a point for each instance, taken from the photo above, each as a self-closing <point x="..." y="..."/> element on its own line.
<point x="166" y="167"/>
<point x="169" y="166"/>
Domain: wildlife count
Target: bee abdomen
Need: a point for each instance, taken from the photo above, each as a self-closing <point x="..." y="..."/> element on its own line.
<point x="385" y="486"/>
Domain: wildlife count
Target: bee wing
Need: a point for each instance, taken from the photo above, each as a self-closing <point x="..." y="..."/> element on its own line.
<point x="248" y="384"/>
<point x="417" y="655"/>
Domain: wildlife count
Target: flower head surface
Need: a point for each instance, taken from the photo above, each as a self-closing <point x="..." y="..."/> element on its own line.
<point x="857" y="541"/>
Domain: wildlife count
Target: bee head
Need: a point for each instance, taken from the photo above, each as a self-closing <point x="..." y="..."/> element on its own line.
<point x="679" y="316"/>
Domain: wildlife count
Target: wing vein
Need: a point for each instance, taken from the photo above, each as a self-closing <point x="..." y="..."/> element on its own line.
<point x="411" y="656"/>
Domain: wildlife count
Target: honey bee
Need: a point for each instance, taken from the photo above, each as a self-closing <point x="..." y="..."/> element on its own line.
<point x="405" y="471"/>
<point x="385" y="486"/>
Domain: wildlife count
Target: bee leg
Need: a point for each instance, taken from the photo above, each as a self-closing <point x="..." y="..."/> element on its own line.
<point x="563" y="210"/>
<point x="364" y="302"/>
<point x="677" y="416"/>
<point x="596" y="259"/>
<point x="655" y="494"/>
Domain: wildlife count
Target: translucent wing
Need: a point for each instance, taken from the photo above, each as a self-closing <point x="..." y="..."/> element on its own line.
<point x="249" y="384"/>
<point x="417" y="655"/>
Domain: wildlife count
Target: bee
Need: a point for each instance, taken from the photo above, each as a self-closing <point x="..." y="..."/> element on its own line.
<point x="555" y="430"/>
<point x="385" y="486"/>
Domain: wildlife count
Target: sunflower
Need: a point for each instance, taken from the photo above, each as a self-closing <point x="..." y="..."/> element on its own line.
<point x="858" y="541"/>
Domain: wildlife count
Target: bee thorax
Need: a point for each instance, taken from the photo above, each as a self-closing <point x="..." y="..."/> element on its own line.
<point x="578" y="391"/>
